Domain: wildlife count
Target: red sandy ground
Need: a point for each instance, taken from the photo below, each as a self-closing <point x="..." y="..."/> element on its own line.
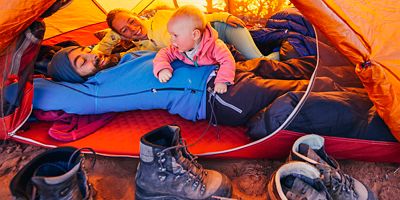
<point x="113" y="178"/>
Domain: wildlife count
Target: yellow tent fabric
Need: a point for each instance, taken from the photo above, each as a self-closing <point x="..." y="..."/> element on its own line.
<point x="367" y="32"/>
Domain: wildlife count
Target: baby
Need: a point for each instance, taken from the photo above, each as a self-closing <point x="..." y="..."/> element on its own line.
<point x="195" y="42"/>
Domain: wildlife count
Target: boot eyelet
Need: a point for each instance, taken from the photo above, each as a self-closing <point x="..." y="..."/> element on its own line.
<point x="203" y="189"/>
<point x="195" y="184"/>
<point x="162" y="178"/>
<point x="161" y="169"/>
<point x="159" y="154"/>
<point x="64" y="192"/>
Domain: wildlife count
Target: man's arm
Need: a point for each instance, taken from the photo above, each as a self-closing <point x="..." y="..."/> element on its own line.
<point x="217" y="17"/>
<point x="109" y="41"/>
<point x="226" y="18"/>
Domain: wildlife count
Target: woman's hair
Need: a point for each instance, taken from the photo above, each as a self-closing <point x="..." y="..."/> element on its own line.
<point x="111" y="16"/>
<point x="192" y="12"/>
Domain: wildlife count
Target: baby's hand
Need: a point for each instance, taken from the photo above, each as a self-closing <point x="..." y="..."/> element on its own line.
<point x="164" y="75"/>
<point x="220" y="88"/>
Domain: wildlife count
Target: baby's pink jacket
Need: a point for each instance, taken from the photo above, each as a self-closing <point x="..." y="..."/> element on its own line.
<point x="211" y="51"/>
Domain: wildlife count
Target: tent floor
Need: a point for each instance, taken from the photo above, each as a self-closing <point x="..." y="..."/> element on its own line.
<point x="122" y="135"/>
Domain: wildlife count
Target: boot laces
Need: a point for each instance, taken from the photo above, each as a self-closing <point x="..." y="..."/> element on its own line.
<point x="340" y="182"/>
<point x="187" y="166"/>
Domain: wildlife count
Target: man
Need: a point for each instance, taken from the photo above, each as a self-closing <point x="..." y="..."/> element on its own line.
<point x="130" y="85"/>
<point x="79" y="64"/>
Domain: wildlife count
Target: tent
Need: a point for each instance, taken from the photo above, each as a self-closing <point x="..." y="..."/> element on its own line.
<point x="361" y="34"/>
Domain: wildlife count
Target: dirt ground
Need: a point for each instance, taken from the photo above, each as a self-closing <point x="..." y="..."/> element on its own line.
<point x="113" y="178"/>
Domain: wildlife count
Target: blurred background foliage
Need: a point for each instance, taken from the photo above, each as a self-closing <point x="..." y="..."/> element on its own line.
<point x="253" y="12"/>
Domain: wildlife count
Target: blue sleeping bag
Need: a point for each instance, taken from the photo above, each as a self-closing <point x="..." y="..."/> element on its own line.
<point x="130" y="85"/>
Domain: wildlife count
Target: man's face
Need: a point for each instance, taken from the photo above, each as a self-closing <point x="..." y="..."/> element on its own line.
<point x="129" y="26"/>
<point x="87" y="62"/>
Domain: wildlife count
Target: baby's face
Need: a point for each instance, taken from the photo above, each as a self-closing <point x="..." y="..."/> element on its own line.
<point x="182" y="34"/>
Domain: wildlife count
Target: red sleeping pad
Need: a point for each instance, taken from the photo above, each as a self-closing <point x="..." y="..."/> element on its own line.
<point x="121" y="138"/>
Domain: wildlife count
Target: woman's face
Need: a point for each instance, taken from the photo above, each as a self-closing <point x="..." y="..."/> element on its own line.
<point x="129" y="26"/>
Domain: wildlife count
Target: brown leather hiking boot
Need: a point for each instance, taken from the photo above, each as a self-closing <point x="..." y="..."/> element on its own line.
<point x="168" y="171"/>
<point x="297" y="180"/>
<point x="310" y="148"/>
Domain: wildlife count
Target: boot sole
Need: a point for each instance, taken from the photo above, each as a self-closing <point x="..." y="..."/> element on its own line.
<point x="141" y="194"/>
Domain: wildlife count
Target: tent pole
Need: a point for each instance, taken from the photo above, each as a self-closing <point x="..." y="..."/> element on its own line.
<point x="138" y="10"/>
<point x="100" y="7"/>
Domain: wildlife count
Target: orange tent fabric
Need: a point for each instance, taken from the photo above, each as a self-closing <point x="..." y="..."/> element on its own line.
<point x="367" y="33"/>
<point x="76" y="15"/>
<point x="16" y="16"/>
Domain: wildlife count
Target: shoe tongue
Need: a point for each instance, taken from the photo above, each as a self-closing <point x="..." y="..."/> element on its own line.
<point x="52" y="174"/>
<point x="299" y="189"/>
<point x="330" y="172"/>
<point x="305" y="150"/>
<point x="289" y="181"/>
<point x="177" y="165"/>
<point x="180" y="160"/>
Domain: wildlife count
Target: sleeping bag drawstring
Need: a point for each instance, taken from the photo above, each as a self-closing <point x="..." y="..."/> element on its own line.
<point x="212" y="121"/>
<point x="213" y="117"/>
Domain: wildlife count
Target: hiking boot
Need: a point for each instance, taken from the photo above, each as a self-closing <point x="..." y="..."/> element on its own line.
<point x="168" y="171"/>
<point x="297" y="180"/>
<point x="54" y="174"/>
<point x="310" y="148"/>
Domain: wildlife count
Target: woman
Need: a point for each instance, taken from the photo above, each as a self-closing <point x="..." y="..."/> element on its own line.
<point x="152" y="34"/>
